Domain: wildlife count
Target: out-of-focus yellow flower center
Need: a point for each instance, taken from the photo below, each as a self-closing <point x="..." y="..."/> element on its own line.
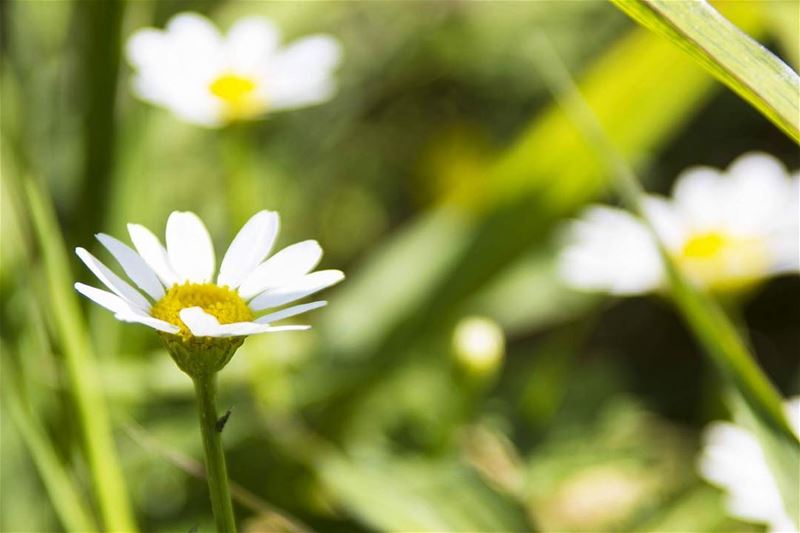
<point x="238" y="95"/>
<point x="226" y="305"/>
<point x="724" y="262"/>
<point x="704" y="246"/>
<point x="233" y="89"/>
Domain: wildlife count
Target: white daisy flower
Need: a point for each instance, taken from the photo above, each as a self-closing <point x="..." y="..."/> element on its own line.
<point x="733" y="460"/>
<point x="209" y="79"/>
<point x="178" y="294"/>
<point x="725" y="230"/>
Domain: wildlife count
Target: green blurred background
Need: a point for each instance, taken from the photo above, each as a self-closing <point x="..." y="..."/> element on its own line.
<point x="436" y="178"/>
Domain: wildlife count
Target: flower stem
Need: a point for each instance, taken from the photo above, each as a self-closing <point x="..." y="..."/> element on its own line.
<point x="205" y="386"/>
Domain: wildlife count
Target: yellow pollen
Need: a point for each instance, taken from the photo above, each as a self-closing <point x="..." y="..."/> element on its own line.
<point x="226" y="305"/>
<point x="704" y="246"/>
<point x="232" y="89"/>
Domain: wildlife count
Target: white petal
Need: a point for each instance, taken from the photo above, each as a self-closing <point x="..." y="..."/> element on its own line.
<point x="308" y="284"/>
<point x="112" y="281"/>
<point x="146" y="48"/>
<point x="250" y="246"/>
<point x="189" y="247"/>
<point x="700" y="195"/>
<point x="133" y="265"/>
<point x="106" y="299"/>
<point x="733" y="460"/>
<point x="302" y="73"/>
<point x="153" y="253"/>
<point x="250" y="43"/>
<point x="290" y="311"/>
<point x="202" y="324"/>
<point x="762" y="199"/>
<point x="121" y="309"/>
<point x="609" y="250"/>
<point x="154" y="323"/>
<point x="666" y="221"/>
<point x="284" y="267"/>
<point x="194" y="32"/>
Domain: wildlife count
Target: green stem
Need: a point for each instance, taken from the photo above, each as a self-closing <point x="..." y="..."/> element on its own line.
<point x="244" y="192"/>
<point x="205" y="387"/>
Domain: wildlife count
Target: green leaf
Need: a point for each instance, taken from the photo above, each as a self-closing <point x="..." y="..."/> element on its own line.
<point x="735" y="59"/>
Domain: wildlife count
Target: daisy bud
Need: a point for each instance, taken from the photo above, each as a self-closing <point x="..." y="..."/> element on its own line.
<point x="479" y="346"/>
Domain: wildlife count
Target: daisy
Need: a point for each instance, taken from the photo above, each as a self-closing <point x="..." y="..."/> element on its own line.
<point x="733" y="460"/>
<point x="209" y="79"/>
<point x="180" y="297"/>
<point x="725" y="230"/>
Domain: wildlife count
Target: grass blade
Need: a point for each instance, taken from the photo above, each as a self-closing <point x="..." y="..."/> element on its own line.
<point x="63" y="494"/>
<point x="735" y="59"/>
<point x="108" y="482"/>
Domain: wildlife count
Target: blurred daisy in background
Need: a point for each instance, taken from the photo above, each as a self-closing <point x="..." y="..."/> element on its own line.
<point x="181" y="300"/>
<point x="733" y="460"/>
<point x="725" y="230"/>
<point x="209" y="79"/>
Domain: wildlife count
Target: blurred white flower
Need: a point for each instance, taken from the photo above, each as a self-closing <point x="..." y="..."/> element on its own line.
<point x="733" y="460"/>
<point x="209" y="79"/>
<point x="725" y="230"/>
<point x="180" y="298"/>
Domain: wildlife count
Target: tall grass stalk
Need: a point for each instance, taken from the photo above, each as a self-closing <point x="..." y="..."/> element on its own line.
<point x="84" y="384"/>
<point x="64" y="495"/>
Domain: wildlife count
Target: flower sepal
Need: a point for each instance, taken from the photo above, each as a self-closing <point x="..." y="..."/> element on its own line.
<point x="201" y="356"/>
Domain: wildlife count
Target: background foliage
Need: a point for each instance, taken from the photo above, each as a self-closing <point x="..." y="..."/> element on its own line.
<point x="436" y="179"/>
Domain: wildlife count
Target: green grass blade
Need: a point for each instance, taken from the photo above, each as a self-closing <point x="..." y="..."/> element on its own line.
<point x="74" y="516"/>
<point x="735" y="59"/>
<point x="712" y="327"/>
<point x="85" y="385"/>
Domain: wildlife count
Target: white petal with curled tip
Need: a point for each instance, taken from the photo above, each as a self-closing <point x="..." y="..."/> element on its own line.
<point x="250" y="246"/>
<point x="117" y="285"/>
<point x="153" y="253"/>
<point x="189" y="247"/>
<point x="121" y="309"/>
<point x="290" y="311"/>
<point x="284" y="267"/>
<point x="133" y="265"/>
<point x="202" y="324"/>
<point x="308" y="284"/>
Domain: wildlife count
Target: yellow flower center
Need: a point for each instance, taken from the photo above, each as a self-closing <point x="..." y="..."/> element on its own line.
<point x="724" y="262"/>
<point x="704" y="246"/>
<point x="232" y="89"/>
<point x="223" y="303"/>
<point x="238" y="95"/>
